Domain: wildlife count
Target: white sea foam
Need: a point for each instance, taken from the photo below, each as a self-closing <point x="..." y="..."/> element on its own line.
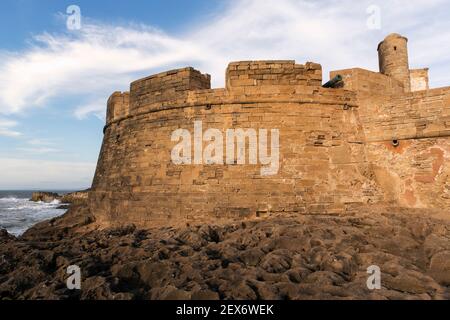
<point x="17" y="214"/>
<point x="12" y="199"/>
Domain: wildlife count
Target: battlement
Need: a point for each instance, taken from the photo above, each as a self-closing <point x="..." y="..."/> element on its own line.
<point x="272" y="72"/>
<point x="368" y="82"/>
<point x="419" y="79"/>
<point x="118" y="106"/>
<point x="188" y="86"/>
<point x="168" y="85"/>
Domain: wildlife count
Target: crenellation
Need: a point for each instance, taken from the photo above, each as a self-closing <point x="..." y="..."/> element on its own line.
<point x="272" y="73"/>
<point x="165" y="86"/>
<point x="419" y="79"/>
<point x="118" y="106"/>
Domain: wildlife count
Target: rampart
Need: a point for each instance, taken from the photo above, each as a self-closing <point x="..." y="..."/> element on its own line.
<point x="371" y="141"/>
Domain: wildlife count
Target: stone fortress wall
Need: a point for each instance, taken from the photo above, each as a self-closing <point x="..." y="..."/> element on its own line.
<point x="371" y="141"/>
<point x="414" y="171"/>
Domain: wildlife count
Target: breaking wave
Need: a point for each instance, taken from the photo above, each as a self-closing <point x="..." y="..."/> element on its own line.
<point x="17" y="214"/>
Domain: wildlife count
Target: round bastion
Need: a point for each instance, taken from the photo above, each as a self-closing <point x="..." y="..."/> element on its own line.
<point x="317" y="166"/>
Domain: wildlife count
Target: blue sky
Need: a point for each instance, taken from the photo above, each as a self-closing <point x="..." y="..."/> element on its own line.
<point x="54" y="82"/>
<point x="50" y="132"/>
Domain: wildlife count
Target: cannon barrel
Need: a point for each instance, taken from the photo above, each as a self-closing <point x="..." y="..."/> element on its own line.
<point x="333" y="83"/>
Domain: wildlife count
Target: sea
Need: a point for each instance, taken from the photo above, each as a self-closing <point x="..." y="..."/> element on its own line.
<point x="18" y="213"/>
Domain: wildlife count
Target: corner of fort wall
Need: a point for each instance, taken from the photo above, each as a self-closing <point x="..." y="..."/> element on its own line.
<point x="407" y="136"/>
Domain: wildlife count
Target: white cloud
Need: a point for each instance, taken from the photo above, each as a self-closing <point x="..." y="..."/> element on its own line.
<point x="6" y="128"/>
<point x="100" y="59"/>
<point x="26" y="174"/>
<point x="41" y="142"/>
<point x="96" y="108"/>
<point x="37" y="146"/>
<point x="38" y="150"/>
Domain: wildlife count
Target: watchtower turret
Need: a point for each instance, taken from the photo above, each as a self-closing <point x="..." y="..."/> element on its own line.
<point x="393" y="59"/>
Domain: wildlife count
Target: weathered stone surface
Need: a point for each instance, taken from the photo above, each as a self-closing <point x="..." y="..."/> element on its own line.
<point x="372" y="141"/>
<point x="75" y="198"/>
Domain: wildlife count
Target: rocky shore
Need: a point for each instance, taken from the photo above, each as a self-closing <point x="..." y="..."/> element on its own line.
<point x="301" y="257"/>
<point x="73" y="198"/>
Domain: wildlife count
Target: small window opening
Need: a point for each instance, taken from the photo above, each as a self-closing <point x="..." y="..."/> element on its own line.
<point x="395" y="48"/>
<point x="395" y="143"/>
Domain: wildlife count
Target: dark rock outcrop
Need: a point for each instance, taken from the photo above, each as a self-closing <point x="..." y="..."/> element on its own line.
<point x="46" y="197"/>
<point x="301" y="257"/>
<point x="73" y="198"/>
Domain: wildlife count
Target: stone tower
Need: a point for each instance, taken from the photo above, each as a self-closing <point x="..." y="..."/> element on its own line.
<point x="393" y="59"/>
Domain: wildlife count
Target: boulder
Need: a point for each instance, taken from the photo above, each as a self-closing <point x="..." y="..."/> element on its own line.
<point x="440" y="267"/>
<point x="5" y="236"/>
<point x="46" y="197"/>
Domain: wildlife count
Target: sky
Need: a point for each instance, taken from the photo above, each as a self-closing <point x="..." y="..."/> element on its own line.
<point x="55" y="76"/>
